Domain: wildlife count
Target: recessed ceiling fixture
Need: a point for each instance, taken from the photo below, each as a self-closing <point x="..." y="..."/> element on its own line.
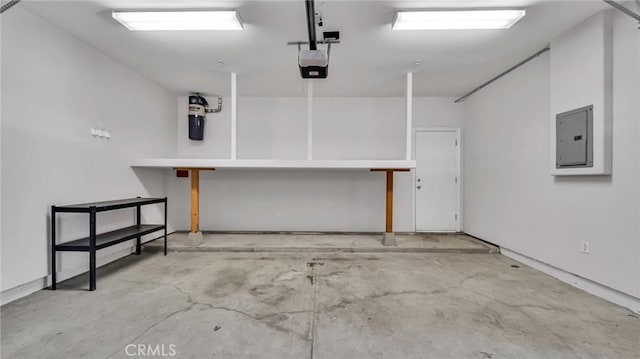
<point x="456" y="19"/>
<point x="178" y="20"/>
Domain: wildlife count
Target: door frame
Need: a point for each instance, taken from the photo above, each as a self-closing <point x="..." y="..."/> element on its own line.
<point x="458" y="132"/>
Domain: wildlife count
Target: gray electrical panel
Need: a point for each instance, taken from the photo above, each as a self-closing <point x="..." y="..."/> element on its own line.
<point x="574" y="138"/>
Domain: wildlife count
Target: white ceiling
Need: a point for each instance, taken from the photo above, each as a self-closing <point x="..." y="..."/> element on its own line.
<point x="371" y="59"/>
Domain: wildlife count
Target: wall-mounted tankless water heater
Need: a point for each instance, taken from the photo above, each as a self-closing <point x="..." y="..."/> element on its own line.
<point x="198" y="108"/>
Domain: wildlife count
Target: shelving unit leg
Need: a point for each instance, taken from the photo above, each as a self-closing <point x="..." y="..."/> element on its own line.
<point x="92" y="249"/>
<point x="53" y="248"/>
<point x="165" y="226"/>
<point x="138" y="238"/>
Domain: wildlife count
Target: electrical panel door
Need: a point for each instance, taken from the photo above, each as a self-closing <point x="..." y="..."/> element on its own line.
<point x="574" y="142"/>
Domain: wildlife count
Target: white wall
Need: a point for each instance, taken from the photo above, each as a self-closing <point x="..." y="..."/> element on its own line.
<point x="580" y="73"/>
<point x="54" y="90"/>
<point x="511" y="199"/>
<point x="343" y="128"/>
<point x="355" y="128"/>
<point x="1" y="218"/>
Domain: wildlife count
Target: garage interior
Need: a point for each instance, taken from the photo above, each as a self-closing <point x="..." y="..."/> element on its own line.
<point x="320" y="179"/>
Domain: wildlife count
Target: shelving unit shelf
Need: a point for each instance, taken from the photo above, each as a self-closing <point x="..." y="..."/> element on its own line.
<point x="94" y="241"/>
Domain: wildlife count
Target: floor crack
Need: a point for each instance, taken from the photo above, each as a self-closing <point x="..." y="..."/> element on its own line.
<point x="519" y="308"/>
<point x="153" y="326"/>
<point x="260" y="318"/>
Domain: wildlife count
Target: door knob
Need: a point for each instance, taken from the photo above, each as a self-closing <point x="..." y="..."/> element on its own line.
<point x="418" y="179"/>
<point x="418" y="187"/>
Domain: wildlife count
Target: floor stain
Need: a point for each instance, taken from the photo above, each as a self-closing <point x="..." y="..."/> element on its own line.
<point x="228" y="280"/>
<point x="272" y="294"/>
<point x="431" y="239"/>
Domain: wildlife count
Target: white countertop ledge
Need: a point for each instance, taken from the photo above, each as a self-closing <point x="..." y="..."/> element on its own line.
<point x="272" y="164"/>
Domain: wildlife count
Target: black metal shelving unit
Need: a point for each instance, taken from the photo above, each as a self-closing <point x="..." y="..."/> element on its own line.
<point x="95" y="241"/>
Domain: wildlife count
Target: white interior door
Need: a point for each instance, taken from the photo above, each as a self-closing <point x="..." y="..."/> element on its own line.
<point x="436" y="181"/>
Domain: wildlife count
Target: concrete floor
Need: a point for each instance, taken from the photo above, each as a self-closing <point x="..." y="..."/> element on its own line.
<point x="319" y="243"/>
<point x="319" y="305"/>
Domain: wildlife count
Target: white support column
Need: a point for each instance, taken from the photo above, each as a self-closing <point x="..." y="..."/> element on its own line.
<point x="309" y="120"/>
<point x="409" y="123"/>
<point x="234" y="116"/>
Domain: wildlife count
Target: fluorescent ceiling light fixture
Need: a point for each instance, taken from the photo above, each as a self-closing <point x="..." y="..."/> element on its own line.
<point x="456" y="19"/>
<point x="178" y="20"/>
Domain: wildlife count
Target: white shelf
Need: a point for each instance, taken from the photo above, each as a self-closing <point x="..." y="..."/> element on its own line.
<point x="272" y="164"/>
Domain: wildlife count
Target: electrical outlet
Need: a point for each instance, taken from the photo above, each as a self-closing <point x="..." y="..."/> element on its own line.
<point x="584" y="247"/>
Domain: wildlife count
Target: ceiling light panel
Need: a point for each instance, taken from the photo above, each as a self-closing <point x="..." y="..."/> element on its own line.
<point x="178" y="20"/>
<point x="456" y="19"/>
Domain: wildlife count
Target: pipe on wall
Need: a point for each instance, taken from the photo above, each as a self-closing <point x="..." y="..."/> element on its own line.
<point x="8" y="5"/>
<point x="540" y="52"/>
<point x="625" y="9"/>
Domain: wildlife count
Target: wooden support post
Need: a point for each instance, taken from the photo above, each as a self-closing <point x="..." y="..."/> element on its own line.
<point x="389" y="195"/>
<point x="195" y="195"/>
<point x="195" y="200"/>
<point x="389" y="222"/>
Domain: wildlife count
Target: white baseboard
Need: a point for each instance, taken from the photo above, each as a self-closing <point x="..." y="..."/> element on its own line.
<point x="589" y="286"/>
<point x="23" y="290"/>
